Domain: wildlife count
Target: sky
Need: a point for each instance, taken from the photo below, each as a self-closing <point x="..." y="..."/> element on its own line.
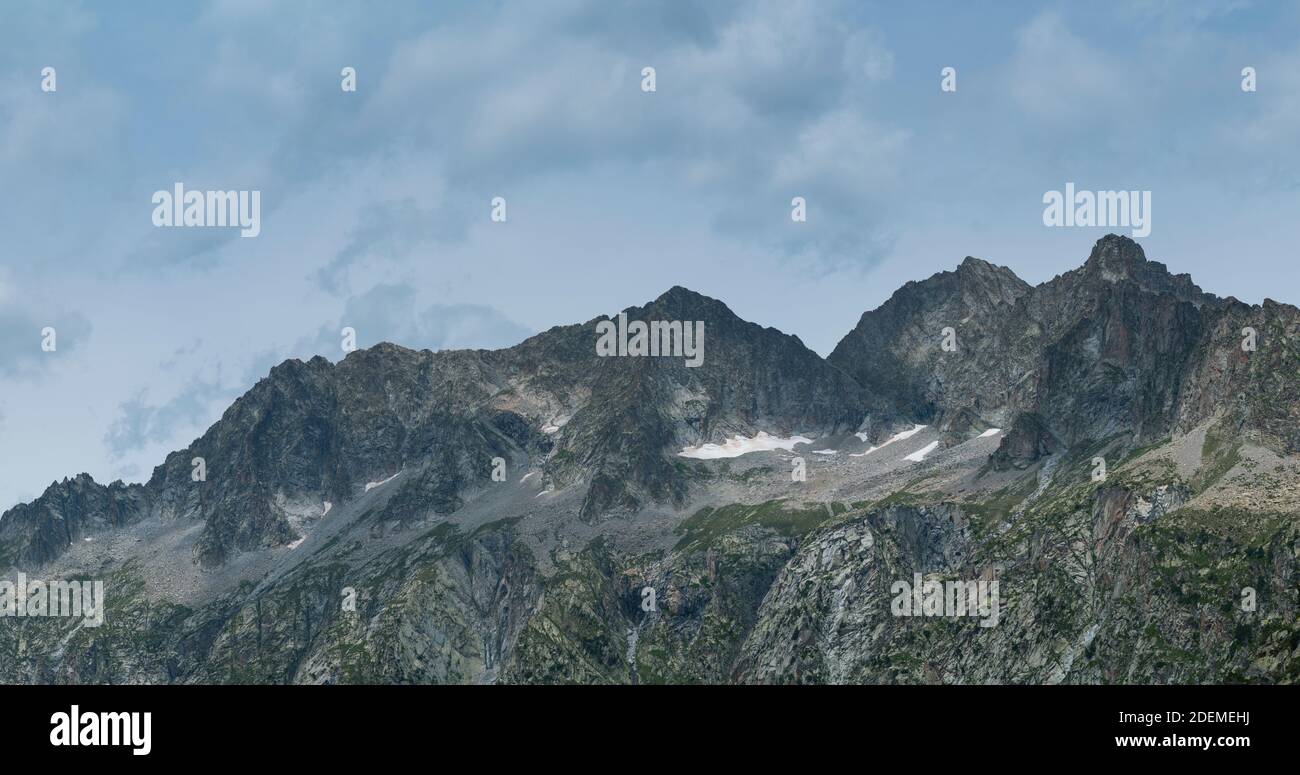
<point x="376" y="203"/>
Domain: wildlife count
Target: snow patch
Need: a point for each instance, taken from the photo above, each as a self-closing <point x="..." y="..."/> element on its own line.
<point x="900" y="436"/>
<point x="551" y="429"/>
<point x="372" y="485"/>
<point x="989" y="432"/>
<point x="919" y="455"/>
<point x="739" y="445"/>
<point x="328" y="506"/>
<point x="527" y="475"/>
<point x="296" y="544"/>
<point x="823" y="452"/>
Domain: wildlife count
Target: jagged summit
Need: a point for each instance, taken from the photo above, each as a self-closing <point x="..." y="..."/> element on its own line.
<point x="681" y="303"/>
<point x="1118" y="249"/>
<point x="1102" y="349"/>
<point x="683" y="295"/>
<point x="979" y="265"/>
<point x="1116" y="258"/>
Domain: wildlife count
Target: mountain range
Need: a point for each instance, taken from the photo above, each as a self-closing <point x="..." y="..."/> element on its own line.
<point x="1117" y="449"/>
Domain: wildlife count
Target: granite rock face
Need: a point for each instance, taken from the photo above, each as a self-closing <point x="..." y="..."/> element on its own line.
<point x="1118" y="346"/>
<point x="318" y="432"/>
<point x="67" y="512"/>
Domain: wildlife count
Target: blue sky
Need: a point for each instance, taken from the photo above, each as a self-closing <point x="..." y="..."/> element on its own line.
<point x="375" y="204"/>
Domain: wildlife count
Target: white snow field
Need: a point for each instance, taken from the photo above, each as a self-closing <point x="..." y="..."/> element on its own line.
<point x="900" y="436"/>
<point x="739" y="445"/>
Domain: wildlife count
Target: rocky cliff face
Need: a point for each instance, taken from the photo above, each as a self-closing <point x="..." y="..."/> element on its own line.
<point x="317" y="432"/>
<point x="1118" y="346"/>
<point x="897" y="351"/>
<point x="348" y="526"/>
<point x="68" y="511"/>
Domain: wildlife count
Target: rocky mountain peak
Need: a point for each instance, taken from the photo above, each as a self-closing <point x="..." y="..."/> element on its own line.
<point x="680" y="303"/>
<point x="1117" y="252"/>
<point x="971" y="265"/>
<point x="1115" y="258"/>
<point x="997" y="284"/>
<point x="682" y="293"/>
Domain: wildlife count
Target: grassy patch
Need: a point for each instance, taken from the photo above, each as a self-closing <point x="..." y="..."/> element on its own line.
<point x="708" y="524"/>
<point x="988" y="513"/>
<point x="1219" y="454"/>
